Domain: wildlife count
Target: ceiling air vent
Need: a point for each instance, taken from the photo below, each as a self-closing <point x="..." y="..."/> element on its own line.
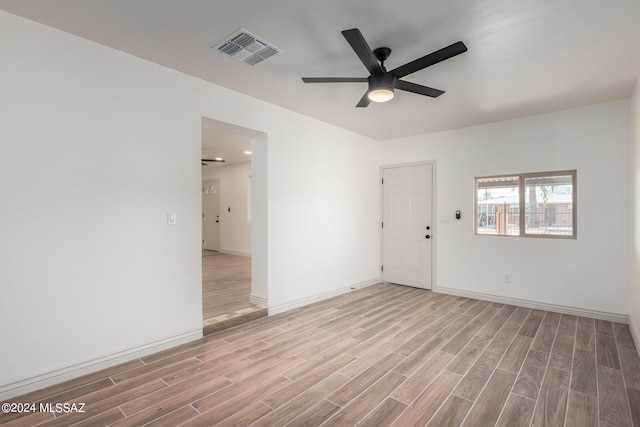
<point x="246" y="47"/>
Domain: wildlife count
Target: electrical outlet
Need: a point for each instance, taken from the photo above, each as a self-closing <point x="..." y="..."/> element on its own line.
<point x="507" y="277"/>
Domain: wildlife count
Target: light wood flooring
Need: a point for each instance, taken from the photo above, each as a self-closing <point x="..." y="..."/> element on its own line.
<point x="226" y="289"/>
<point x="378" y="356"/>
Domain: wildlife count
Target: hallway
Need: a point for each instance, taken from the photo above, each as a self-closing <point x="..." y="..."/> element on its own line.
<point x="226" y="289"/>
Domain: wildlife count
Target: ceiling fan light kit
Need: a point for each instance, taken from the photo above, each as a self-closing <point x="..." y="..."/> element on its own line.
<point x="381" y="87"/>
<point x="382" y="83"/>
<point x="381" y="95"/>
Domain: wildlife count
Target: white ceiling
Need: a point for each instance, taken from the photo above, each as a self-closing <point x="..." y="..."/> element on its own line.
<point x="525" y="56"/>
<point x="227" y="141"/>
<point x="228" y="146"/>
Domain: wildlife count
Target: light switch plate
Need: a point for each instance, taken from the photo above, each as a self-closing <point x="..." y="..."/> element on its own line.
<point x="171" y="218"/>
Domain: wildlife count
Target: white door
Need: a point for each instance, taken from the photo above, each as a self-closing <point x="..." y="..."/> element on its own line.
<point x="406" y="228"/>
<point x="211" y="215"/>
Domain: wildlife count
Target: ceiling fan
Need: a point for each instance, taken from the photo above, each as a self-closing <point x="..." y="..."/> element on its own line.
<point x="216" y="160"/>
<point x="382" y="82"/>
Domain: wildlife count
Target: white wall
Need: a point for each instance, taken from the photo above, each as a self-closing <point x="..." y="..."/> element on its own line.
<point x="634" y="317"/>
<point x="589" y="273"/>
<point x="95" y="150"/>
<point x="96" y="147"/>
<point x="235" y="228"/>
<point x="323" y="211"/>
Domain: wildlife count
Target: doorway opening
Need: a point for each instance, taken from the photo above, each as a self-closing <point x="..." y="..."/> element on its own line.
<point x="231" y="216"/>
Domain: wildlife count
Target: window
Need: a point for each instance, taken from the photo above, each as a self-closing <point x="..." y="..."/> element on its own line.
<point x="527" y="205"/>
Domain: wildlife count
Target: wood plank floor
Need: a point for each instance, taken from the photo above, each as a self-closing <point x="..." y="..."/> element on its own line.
<point x="226" y="289"/>
<point x="378" y="356"/>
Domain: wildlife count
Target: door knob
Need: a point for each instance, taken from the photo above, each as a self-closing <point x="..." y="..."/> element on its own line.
<point x="427" y="236"/>
<point x="428" y="228"/>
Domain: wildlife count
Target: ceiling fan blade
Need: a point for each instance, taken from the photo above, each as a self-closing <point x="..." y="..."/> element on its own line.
<point x="361" y="48"/>
<point x="334" y="79"/>
<point x="364" y="101"/>
<point x="430" y="59"/>
<point x="419" y="89"/>
<point x="213" y="160"/>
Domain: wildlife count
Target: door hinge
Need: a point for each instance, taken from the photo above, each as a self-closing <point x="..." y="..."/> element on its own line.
<point x="382" y="181"/>
<point x="382" y="224"/>
<point x="382" y="268"/>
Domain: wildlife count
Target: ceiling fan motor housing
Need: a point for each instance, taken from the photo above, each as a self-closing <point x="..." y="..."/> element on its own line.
<point x="382" y="81"/>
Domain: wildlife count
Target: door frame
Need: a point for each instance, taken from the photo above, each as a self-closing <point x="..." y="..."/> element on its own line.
<point x="434" y="230"/>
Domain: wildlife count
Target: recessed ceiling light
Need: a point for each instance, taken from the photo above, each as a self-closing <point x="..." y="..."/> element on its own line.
<point x="247" y="152"/>
<point x="219" y="159"/>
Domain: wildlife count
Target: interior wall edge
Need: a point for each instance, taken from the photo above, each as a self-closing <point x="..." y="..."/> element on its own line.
<point x="635" y="333"/>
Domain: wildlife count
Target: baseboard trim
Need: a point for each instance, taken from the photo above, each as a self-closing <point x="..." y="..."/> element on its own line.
<point x="57" y="376"/>
<point x="261" y="301"/>
<point x="238" y="253"/>
<point x="281" y="308"/>
<point x="576" y="311"/>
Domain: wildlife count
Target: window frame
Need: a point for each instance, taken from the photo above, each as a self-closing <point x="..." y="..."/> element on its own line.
<point x="522" y="177"/>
